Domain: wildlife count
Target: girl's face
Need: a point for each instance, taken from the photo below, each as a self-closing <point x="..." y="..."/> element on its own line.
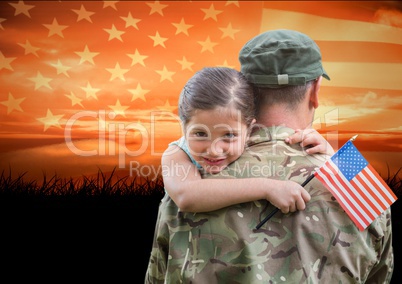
<point x="216" y="137"/>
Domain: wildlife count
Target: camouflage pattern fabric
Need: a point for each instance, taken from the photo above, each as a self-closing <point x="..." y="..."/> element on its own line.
<point x="318" y="245"/>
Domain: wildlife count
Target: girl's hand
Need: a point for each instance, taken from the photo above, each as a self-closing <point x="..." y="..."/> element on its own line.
<point x="290" y="197"/>
<point x="311" y="138"/>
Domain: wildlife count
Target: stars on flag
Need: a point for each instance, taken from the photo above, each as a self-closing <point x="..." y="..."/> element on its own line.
<point x="40" y="81"/>
<point x="119" y="109"/>
<point x="349" y="161"/>
<point x="156" y="7"/>
<point x="158" y="40"/>
<point x="13" y="103"/>
<point x="90" y="91"/>
<point x="165" y="74"/>
<point x="211" y="12"/>
<point x="137" y="58"/>
<point x="87" y="55"/>
<point x="61" y="69"/>
<point x="29" y="48"/>
<point x="207" y="45"/>
<point x="82" y="52"/>
<point x="229" y="31"/>
<point x="111" y="4"/>
<point x="226" y="64"/>
<point x="22" y="8"/>
<point x="5" y="62"/>
<point x="83" y="14"/>
<point x="74" y="100"/>
<point x="130" y="21"/>
<point x="185" y="64"/>
<point x="55" y="28"/>
<point x="232" y="2"/>
<point x="117" y="72"/>
<point x="50" y="120"/>
<point x="1" y="26"/>
<point x="182" y="27"/>
<point x="114" y="33"/>
<point x="138" y="93"/>
<point x="167" y="107"/>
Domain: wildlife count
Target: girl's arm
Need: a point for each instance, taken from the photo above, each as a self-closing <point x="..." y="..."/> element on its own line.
<point x="191" y="193"/>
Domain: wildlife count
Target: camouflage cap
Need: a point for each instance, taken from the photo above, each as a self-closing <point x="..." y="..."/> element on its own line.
<point x="279" y="58"/>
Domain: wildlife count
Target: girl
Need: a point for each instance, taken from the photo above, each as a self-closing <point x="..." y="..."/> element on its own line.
<point x="217" y="113"/>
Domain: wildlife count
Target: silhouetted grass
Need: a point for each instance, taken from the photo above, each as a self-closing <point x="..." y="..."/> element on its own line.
<point x="394" y="182"/>
<point x="99" y="185"/>
<point x="106" y="185"/>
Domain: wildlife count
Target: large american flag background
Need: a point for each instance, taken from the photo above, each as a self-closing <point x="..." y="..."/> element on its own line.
<point x="89" y="85"/>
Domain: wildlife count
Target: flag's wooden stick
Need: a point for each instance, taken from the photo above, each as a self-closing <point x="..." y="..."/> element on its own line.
<point x="303" y="184"/>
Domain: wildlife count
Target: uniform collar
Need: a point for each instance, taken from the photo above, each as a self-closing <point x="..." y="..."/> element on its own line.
<point x="266" y="134"/>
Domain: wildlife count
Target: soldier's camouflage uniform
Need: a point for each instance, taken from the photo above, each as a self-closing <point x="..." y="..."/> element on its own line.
<point x="318" y="245"/>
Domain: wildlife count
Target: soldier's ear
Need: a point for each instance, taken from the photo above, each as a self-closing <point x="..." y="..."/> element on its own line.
<point x="315" y="89"/>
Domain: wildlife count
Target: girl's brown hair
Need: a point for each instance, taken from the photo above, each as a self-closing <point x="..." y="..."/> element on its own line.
<point x="213" y="87"/>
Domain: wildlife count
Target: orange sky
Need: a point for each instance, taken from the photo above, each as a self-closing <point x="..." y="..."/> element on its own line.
<point x="88" y="85"/>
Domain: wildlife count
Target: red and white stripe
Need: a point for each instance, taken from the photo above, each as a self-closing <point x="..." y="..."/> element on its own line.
<point x="363" y="198"/>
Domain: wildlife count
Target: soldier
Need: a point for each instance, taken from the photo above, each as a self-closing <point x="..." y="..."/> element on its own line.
<point x="320" y="244"/>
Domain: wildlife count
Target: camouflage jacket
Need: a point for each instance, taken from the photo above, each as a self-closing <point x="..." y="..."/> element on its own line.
<point x="320" y="244"/>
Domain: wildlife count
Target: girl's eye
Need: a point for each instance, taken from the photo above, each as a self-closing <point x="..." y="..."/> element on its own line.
<point x="201" y="134"/>
<point x="230" y="135"/>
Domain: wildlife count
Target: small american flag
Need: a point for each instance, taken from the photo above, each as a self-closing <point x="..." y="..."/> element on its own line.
<point x="356" y="185"/>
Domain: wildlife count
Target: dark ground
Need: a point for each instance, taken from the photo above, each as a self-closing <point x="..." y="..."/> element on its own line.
<point x="71" y="240"/>
<point x="91" y="239"/>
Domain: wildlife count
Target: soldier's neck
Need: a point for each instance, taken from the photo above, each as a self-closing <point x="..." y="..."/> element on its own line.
<point x="280" y="116"/>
